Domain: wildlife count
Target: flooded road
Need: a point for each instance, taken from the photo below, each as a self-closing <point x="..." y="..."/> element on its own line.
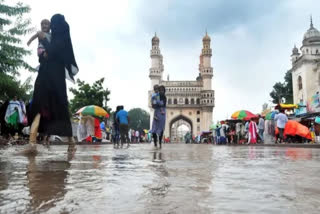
<point x="177" y="179"/>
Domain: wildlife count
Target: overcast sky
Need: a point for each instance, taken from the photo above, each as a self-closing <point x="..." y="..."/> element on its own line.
<point x="251" y="41"/>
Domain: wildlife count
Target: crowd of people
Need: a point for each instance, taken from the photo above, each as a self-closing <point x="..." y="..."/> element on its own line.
<point x="251" y="131"/>
<point x="121" y="133"/>
<point x="13" y="118"/>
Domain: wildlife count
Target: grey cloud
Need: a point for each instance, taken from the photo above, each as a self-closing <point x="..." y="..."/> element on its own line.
<point x="184" y="20"/>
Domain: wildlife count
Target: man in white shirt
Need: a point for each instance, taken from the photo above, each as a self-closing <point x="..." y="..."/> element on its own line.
<point x="137" y="136"/>
<point x="281" y="120"/>
<point x="261" y="128"/>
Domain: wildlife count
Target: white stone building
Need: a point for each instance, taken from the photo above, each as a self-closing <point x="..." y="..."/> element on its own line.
<point x="306" y="70"/>
<point x="188" y="102"/>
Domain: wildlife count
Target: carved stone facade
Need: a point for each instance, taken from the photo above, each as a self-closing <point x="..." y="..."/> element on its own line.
<point x="306" y="68"/>
<point x="189" y="101"/>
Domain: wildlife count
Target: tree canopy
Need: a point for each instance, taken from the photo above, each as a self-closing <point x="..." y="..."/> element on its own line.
<point x="139" y="119"/>
<point x="13" y="26"/>
<point x="86" y="94"/>
<point x="10" y="87"/>
<point x="283" y="90"/>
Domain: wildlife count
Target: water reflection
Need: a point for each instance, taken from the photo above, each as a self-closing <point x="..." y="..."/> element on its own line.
<point x="96" y="161"/>
<point x="46" y="182"/>
<point x="175" y="179"/>
<point x="3" y="176"/>
<point x="157" y="156"/>
<point x="298" y="154"/>
<point x="252" y="153"/>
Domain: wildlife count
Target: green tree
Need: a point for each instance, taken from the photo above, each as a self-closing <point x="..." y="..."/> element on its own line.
<point x="86" y="94"/>
<point x="13" y="26"/>
<point x="288" y="86"/>
<point x="139" y="119"/>
<point x="283" y="90"/>
<point x="10" y="87"/>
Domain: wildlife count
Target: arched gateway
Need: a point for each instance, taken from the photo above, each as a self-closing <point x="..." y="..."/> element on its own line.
<point x="175" y="124"/>
<point x="191" y="102"/>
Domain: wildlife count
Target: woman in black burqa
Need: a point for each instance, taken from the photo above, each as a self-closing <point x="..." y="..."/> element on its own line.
<point x="49" y="108"/>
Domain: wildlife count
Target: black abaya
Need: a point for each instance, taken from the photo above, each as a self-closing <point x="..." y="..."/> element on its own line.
<point x="50" y="91"/>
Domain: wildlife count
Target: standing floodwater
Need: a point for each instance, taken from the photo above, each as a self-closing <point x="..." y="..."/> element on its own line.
<point x="177" y="179"/>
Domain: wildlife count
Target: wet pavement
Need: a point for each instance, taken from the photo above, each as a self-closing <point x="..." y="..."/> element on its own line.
<point x="177" y="179"/>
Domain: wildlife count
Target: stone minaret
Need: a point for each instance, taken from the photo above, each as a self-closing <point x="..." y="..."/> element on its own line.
<point x="295" y="55"/>
<point x="156" y="69"/>
<point x="206" y="70"/>
<point x="207" y="94"/>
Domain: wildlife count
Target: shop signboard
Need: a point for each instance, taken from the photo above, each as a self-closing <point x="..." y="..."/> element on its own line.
<point x="313" y="103"/>
<point x="302" y="109"/>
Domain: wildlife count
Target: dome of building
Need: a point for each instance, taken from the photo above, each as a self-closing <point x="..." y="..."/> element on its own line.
<point x="295" y="51"/>
<point x="311" y="33"/>
<point x="199" y="77"/>
<point x="311" y="36"/>
<point x="206" y="38"/>
<point x="155" y="39"/>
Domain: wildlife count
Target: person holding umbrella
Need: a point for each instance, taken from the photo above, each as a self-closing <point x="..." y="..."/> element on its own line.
<point x="89" y="124"/>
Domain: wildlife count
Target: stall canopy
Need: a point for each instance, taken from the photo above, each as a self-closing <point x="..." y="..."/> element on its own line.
<point x="286" y="106"/>
<point x="243" y="115"/>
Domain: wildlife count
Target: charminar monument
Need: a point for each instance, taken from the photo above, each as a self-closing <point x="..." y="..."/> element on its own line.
<point x="189" y="102"/>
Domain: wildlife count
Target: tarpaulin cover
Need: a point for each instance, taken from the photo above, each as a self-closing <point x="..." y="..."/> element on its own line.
<point x="295" y="128"/>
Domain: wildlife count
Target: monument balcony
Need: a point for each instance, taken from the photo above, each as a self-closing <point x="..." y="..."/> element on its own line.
<point x="208" y="104"/>
<point x="207" y="52"/>
<point x="184" y="106"/>
<point x="155" y="53"/>
<point x="205" y="70"/>
<point x="207" y="75"/>
<point x="183" y="94"/>
<point x="155" y="75"/>
<point x="207" y="101"/>
<point x="207" y="94"/>
<point x="180" y="84"/>
<point x="155" y="70"/>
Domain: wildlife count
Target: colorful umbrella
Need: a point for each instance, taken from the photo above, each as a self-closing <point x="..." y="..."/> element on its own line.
<point x="243" y="115"/>
<point x="270" y="115"/>
<point x="93" y="111"/>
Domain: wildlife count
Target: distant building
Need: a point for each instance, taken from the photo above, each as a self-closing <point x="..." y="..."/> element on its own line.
<point x="189" y="101"/>
<point x="306" y="70"/>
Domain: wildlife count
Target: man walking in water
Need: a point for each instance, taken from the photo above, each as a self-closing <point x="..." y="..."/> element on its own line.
<point x="123" y="119"/>
<point x="159" y="121"/>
